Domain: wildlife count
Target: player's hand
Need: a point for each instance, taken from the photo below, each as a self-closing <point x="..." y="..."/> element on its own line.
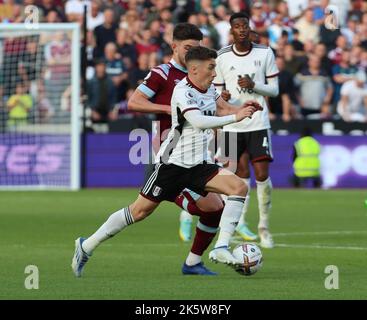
<point x="245" y="113"/>
<point x="253" y="103"/>
<point x="225" y="95"/>
<point x="245" y="82"/>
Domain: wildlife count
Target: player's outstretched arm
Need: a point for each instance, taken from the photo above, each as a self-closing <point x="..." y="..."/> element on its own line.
<point x="224" y="108"/>
<point x="202" y="122"/>
<point x="140" y="102"/>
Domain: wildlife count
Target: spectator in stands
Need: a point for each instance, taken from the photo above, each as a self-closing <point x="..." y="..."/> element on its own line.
<point x="208" y="29"/>
<point x="335" y="55"/>
<point x="52" y="17"/>
<point x="277" y="30"/>
<point x="48" y="5"/>
<point x="31" y="64"/>
<point x="320" y="51"/>
<point x="281" y="106"/>
<point x="116" y="7"/>
<point x="105" y="33"/>
<point x="342" y="73"/>
<point x="125" y="45"/>
<point x="351" y="29"/>
<point x="137" y="75"/>
<point x="222" y="25"/>
<point x="19" y="106"/>
<point x="115" y="69"/>
<point x="315" y="89"/>
<point x="144" y="42"/>
<point x="131" y="22"/>
<point x="57" y="71"/>
<point x="353" y="103"/>
<point x="101" y="95"/>
<point x="9" y="11"/>
<point x="95" y="16"/>
<point x="293" y="64"/>
<point x="259" y="22"/>
<point x="296" y="8"/>
<point x="74" y="9"/>
<point x="297" y="45"/>
<point x="307" y="28"/>
<point x="318" y="8"/>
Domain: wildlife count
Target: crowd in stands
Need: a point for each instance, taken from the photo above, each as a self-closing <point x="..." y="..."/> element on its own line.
<point x="322" y="69"/>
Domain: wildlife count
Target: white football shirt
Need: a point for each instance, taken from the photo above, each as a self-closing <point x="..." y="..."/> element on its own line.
<point x="187" y="146"/>
<point x="259" y="64"/>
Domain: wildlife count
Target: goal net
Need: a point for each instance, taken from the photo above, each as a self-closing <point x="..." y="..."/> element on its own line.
<point x="39" y="106"/>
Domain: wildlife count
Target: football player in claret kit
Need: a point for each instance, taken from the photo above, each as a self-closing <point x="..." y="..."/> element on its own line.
<point x="183" y="162"/>
<point x="154" y="96"/>
<point x="246" y="70"/>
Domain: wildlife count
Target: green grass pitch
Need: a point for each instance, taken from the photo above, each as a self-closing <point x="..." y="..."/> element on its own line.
<point x="313" y="229"/>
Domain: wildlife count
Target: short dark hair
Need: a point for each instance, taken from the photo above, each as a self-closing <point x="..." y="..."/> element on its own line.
<point x="238" y="15"/>
<point x="187" y="31"/>
<point x="200" y="53"/>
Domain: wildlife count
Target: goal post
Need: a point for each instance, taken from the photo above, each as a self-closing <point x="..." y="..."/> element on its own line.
<point x="40" y="111"/>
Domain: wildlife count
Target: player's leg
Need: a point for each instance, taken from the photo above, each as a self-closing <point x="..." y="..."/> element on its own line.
<point x="206" y="230"/>
<point x="264" y="190"/>
<point x="225" y="182"/>
<point x="194" y="204"/>
<point x="116" y="222"/>
<point x="243" y="171"/>
<point x="260" y="151"/>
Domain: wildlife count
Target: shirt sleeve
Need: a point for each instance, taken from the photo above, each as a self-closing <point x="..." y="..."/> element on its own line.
<point x="185" y="99"/>
<point x="271" y="67"/>
<point x="219" y="79"/>
<point x="153" y="82"/>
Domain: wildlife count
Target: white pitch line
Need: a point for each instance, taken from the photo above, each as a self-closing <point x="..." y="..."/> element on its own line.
<point x="317" y="246"/>
<point x="310" y="233"/>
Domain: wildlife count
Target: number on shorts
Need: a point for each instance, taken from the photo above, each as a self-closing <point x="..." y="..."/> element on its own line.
<point x="265" y="143"/>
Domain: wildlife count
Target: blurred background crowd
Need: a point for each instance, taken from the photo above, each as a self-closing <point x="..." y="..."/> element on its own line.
<point x="322" y="71"/>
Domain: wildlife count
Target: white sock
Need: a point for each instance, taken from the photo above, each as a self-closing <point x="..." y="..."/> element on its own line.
<point x="230" y="217"/>
<point x="264" y="189"/>
<point x="114" y="224"/>
<point x="247" y="201"/>
<point x="184" y="215"/>
<point x="193" y="259"/>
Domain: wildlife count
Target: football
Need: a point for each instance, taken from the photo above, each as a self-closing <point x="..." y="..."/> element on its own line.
<point x="251" y="256"/>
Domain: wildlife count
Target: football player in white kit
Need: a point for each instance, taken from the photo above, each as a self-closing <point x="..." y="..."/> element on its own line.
<point x="246" y="70"/>
<point x="184" y="162"/>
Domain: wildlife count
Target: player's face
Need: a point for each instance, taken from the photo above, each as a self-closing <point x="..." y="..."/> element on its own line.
<point x="240" y="30"/>
<point x="180" y="49"/>
<point x="206" y="72"/>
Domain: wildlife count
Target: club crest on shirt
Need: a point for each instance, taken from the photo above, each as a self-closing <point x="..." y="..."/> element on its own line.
<point x="157" y="191"/>
<point x="189" y="94"/>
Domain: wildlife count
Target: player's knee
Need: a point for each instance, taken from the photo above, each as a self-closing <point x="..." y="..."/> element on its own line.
<point x="261" y="176"/>
<point x="139" y="213"/>
<point x="239" y="189"/>
<point x="210" y="206"/>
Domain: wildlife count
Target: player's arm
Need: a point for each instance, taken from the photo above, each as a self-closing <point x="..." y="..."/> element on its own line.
<point x="194" y="116"/>
<point x="153" y="83"/>
<point x="139" y="102"/>
<point x="269" y="89"/>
